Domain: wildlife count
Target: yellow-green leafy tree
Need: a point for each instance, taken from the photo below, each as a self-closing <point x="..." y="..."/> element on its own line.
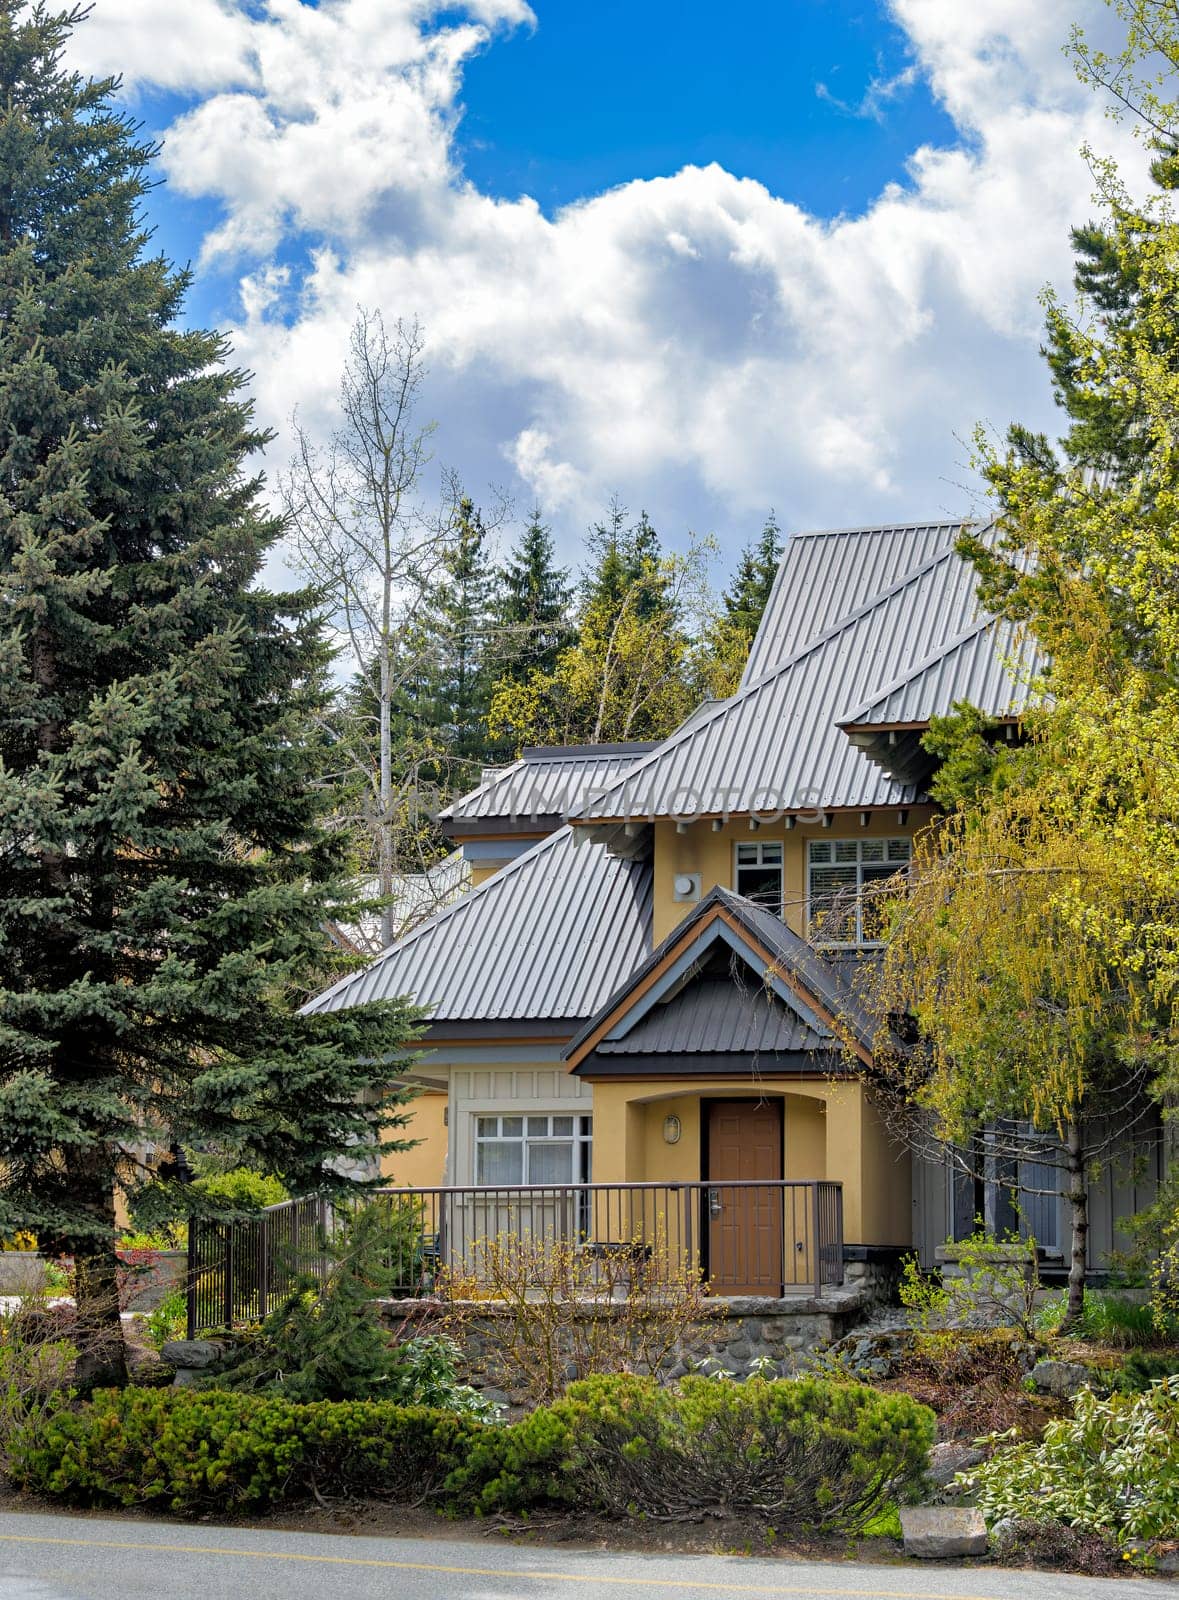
<point x="1037" y="951"/>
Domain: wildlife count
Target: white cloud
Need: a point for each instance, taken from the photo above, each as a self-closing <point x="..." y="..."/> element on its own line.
<point x="696" y="342"/>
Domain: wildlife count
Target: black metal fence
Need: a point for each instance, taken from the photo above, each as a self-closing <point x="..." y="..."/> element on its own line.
<point x="238" y="1271"/>
<point x="769" y="1238"/>
<point x="755" y="1238"/>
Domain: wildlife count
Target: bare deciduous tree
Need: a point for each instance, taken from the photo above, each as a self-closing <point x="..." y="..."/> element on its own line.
<point x="363" y="537"/>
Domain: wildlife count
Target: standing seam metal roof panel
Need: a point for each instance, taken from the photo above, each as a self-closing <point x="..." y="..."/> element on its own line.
<point x="552" y="935"/>
<point x="544" y="785"/>
<point x="716" y="1016"/>
<point x="995" y="667"/>
<point x="777" y="745"/>
<point x="824" y="577"/>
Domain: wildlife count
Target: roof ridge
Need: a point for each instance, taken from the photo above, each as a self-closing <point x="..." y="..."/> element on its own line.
<point x="673" y="740"/>
<point x="432" y="922"/>
<point x="885" y="527"/>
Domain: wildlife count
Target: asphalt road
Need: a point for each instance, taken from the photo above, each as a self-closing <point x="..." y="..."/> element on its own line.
<point x="67" y="1558"/>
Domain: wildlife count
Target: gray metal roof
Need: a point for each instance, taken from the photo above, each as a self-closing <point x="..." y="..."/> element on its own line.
<point x="719" y="1016"/>
<point x="777" y="745"/>
<point x="994" y="665"/>
<point x="826" y="576"/>
<point x="544" y="783"/>
<point x="739" y="1023"/>
<point x="552" y="935"/>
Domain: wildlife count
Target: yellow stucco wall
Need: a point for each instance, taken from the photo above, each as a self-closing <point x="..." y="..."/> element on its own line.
<point x="423" y="1167"/>
<point x="712" y="855"/>
<point x="831" y="1131"/>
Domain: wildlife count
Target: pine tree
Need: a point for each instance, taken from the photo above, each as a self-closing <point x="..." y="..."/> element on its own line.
<point x="532" y="608"/>
<point x="748" y="594"/>
<point x="163" y="876"/>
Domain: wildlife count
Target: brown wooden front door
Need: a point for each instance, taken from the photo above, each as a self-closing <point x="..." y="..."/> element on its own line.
<point x="743" y="1144"/>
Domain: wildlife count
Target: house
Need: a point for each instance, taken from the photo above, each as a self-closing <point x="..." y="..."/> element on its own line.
<point x="641" y="986"/>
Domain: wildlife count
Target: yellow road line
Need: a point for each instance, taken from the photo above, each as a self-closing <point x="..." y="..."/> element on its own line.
<point x="598" y="1578"/>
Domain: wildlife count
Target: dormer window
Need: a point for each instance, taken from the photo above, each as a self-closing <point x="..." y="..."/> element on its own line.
<point x="758" y="874"/>
<point x="840" y="873"/>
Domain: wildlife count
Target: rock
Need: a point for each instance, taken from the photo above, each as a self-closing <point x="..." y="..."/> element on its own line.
<point x="947" y="1460"/>
<point x="192" y="1353"/>
<point x="1003" y="1532"/>
<point x="935" y="1533"/>
<point x="1061" y="1378"/>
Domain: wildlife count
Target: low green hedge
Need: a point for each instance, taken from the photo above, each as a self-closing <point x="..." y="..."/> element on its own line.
<point x="213" y="1450"/>
<point x="803" y="1454"/>
<point x="800" y="1454"/>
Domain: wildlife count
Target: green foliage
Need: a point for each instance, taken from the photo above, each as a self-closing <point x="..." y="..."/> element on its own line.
<point x="241" y="1190"/>
<point x="994" y="1291"/>
<point x="1112" y="1468"/>
<point x="1143" y="1368"/>
<point x="1108" y="1319"/>
<point x="164" y="875"/>
<point x="532" y="607"/>
<point x="426" y="1373"/>
<point x="195" y="1452"/>
<point x="325" y="1342"/>
<point x="803" y="1453"/>
<point x="34" y="1378"/>
<point x="168" y="1320"/>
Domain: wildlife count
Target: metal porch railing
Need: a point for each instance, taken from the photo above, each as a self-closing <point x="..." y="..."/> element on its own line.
<point x="741" y="1238"/>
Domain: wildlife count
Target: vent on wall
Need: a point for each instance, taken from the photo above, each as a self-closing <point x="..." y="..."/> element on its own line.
<point x="686" y="886"/>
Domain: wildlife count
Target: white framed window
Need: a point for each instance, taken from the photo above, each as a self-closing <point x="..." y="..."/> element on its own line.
<point x="538" y="1149"/>
<point x="757" y="874"/>
<point x="838" y="873"/>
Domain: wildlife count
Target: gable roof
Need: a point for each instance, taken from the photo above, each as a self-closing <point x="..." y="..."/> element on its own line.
<point x="827" y="575"/>
<point x="550" y="936"/>
<point x="541" y="788"/>
<point x="790" y="1008"/>
<point x="776" y="746"/>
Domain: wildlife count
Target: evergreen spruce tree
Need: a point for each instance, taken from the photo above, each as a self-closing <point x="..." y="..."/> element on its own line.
<point x="746" y="597"/>
<point x="449" y="685"/>
<point x="532" y="609"/>
<point x="163" y="877"/>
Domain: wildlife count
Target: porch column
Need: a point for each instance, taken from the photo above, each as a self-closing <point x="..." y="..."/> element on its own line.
<point x="845" y="1152"/>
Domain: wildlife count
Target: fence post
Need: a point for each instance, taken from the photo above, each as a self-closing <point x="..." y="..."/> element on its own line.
<point x="191" y="1285"/>
<point x="690" y="1263"/>
<point x="229" y="1265"/>
<point x="263" y="1266"/>
<point x="816" y="1241"/>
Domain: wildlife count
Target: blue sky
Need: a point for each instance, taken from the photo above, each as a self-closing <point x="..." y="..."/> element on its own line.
<point x="604" y="92"/>
<point x="786" y="254"/>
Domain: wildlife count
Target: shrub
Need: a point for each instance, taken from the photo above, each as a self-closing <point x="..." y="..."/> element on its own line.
<point x="196" y="1451"/>
<point x="1056" y="1545"/>
<point x="34" y="1377"/>
<point x="973" y="1380"/>
<point x="995" y="1291"/>
<point x="565" y="1312"/>
<point x="241" y="1190"/>
<point x="1112" y="1468"/>
<point x="1142" y="1368"/>
<point x="326" y="1341"/>
<point x="168" y="1320"/>
<point x="800" y="1453"/>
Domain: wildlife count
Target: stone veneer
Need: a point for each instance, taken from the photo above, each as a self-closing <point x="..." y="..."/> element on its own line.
<point x="733" y="1334"/>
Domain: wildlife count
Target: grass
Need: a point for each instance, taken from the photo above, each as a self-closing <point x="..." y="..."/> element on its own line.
<point x="1108" y="1319"/>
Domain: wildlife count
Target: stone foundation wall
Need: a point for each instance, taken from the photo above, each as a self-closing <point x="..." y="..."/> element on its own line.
<point x="737" y="1335"/>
